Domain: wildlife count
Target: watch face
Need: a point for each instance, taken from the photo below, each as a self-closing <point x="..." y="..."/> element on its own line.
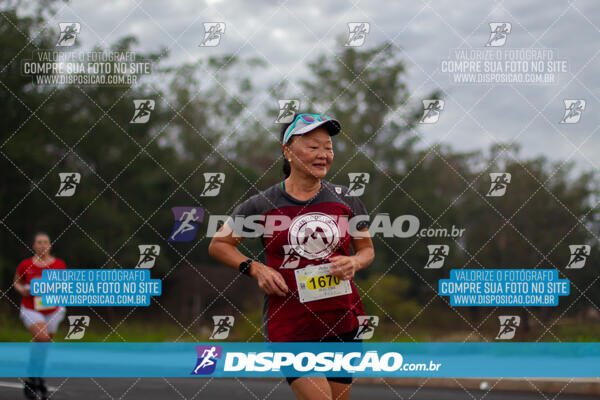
<point x="245" y="266"/>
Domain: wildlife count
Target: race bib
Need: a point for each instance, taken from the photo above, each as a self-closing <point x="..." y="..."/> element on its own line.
<point x="315" y="283"/>
<point x="37" y="304"/>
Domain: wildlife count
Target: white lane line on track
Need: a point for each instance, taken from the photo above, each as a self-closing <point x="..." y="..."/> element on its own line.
<point x="18" y="385"/>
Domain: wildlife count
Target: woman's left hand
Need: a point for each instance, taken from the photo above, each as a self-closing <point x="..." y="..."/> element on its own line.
<point x="343" y="267"/>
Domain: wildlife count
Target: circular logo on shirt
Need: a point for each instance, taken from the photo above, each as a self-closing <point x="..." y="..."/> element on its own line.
<point x="314" y="235"/>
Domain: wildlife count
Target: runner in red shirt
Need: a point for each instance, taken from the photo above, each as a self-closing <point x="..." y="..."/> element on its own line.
<point x="42" y="321"/>
<point x="316" y="233"/>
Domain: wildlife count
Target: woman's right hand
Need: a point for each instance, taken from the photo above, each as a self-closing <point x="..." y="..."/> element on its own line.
<point x="22" y="289"/>
<point x="269" y="280"/>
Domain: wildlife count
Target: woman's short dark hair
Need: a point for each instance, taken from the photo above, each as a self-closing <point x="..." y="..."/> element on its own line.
<point x="287" y="169"/>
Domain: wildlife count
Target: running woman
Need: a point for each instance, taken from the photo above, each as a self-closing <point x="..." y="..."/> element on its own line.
<point x="42" y="321"/>
<point x="311" y="252"/>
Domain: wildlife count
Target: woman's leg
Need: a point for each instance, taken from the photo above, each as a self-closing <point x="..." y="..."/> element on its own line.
<point x="53" y="320"/>
<point x="39" y="332"/>
<point x="340" y="391"/>
<point x="311" y="388"/>
<point x="35" y="322"/>
<point x="341" y="386"/>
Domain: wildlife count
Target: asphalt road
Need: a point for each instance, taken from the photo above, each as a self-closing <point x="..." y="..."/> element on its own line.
<point x="225" y="388"/>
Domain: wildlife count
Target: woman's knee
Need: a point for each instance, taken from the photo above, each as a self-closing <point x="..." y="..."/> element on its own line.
<point x="40" y="332"/>
<point x="340" y="390"/>
<point x="311" y="388"/>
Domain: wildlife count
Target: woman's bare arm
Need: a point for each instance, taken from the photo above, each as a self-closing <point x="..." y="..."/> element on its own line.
<point x="344" y="267"/>
<point x="223" y="247"/>
<point x="364" y="250"/>
<point x="19" y="286"/>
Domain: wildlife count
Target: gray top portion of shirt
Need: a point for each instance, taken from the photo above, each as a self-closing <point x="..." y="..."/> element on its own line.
<point x="275" y="197"/>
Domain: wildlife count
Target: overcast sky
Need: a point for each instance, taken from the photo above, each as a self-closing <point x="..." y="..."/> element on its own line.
<point x="282" y="33"/>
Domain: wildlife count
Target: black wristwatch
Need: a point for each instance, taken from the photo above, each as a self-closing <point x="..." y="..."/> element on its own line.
<point x="245" y="266"/>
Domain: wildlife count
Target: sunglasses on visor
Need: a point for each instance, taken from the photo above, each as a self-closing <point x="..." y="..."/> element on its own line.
<point x="307" y="119"/>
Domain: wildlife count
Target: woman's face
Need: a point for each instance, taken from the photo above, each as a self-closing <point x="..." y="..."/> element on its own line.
<point x="311" y="153"/>
<point x="41" y="245"/>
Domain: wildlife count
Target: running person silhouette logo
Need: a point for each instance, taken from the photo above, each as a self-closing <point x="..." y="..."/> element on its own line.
<point x="573" y="111"/>
<point x="499" y="33"/>
<point x="212" y="183"/>
<point x="213" y="31"/>
<point x="142" y="110"/>
<point x="431" y="111"/>
<point x="77" y="326"/>
<point x="508" y="326"/>
<point x="287" y="111"/>
<point x="186" y="223"/>
<point x="223" y="325"/>
<point x="68" y="33"/>
<point x="148" y="255"/>
<point x="500" y="181"/>
<point x="358" y="183"/>
<point x="68" y="183"/>
<point x="579" y="255"/>
<point x="437" y="255"/>
<point x="366" y="326"/>
<point x="207" y="359"/>
<point x="357" y="33"/>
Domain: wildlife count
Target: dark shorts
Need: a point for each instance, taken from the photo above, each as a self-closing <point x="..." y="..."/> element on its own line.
<point x="342" y="337"/>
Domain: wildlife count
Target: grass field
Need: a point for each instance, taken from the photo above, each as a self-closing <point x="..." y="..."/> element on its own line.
<point x="132" y="330"/>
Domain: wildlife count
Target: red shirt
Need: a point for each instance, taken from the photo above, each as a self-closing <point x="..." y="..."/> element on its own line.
<point x="27" y="271"/>
<point x="286" y="318"/>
